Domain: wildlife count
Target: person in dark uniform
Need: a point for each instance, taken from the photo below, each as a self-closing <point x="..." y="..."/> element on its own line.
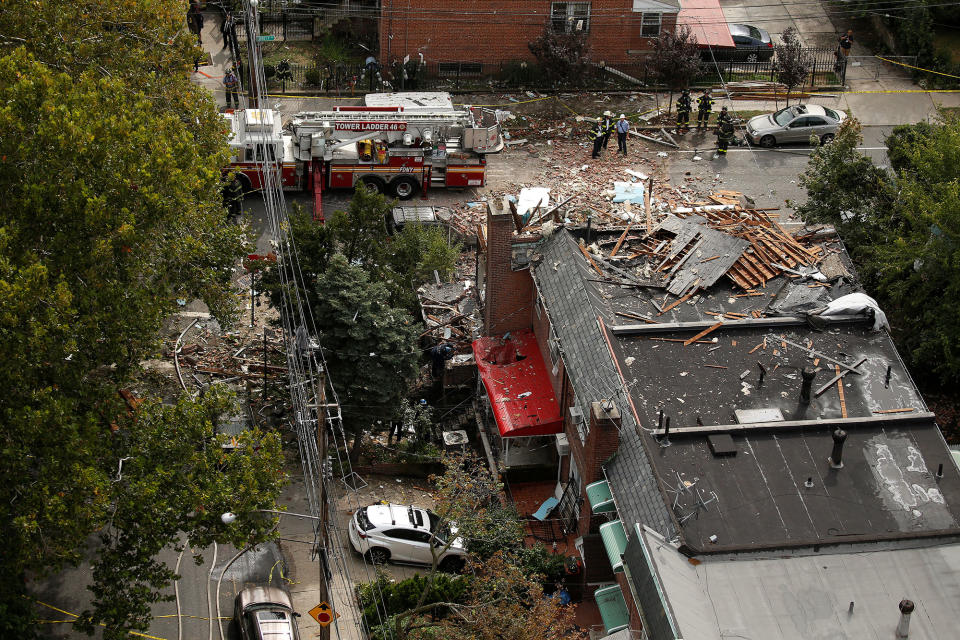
<point x="596" y="135"/>
<point x="233" y="199"/>
<point x="846" y="43"/>
<point x="724" y="137"/>
<point x="704" y="107"/>
<point x="723" y="116"/>
<point x="684" y="107"/>
<point x="608" y="125"/>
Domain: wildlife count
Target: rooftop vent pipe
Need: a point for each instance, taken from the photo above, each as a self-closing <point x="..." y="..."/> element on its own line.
<point x="903" y="629"/>
<point x="808" y="375"/>
<point x="836" y="456"/>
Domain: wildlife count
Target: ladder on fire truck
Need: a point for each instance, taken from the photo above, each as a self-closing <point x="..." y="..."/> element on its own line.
<point x="347" y="125"/>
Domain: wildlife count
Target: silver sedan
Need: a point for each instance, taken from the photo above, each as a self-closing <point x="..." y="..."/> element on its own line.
<point x="794" y="124"/>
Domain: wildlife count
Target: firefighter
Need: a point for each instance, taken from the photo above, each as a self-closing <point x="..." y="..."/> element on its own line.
<point x="724" y="137"/>
<point x="608" y="125"/>
<point x="231" y="84"/>
<point x="233" y="198"/>
<point x="596" y="134"/>
<point x="704" y="107"/>
<point x="684" y="106"/>
<point x="724" y="116"/>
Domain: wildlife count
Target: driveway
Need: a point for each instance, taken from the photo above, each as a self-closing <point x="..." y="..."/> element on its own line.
<point x="809" y="18"/>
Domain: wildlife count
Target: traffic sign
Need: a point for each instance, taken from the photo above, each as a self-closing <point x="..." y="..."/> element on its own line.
<point x="266" y="38"/>
<point x="322" y="613"/>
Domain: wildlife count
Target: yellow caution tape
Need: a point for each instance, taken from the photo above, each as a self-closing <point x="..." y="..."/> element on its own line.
<point x="75" y="615"/>
<point x="910" y="66"/>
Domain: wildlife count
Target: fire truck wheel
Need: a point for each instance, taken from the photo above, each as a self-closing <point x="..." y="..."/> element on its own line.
<point x="405" y="187"/>
<point x="372" y="184"/>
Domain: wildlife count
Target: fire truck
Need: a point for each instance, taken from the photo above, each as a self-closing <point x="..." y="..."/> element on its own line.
<point x="396" y="143"/>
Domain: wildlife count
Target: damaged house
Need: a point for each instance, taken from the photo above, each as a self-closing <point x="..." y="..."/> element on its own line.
<point x="738" y="449"/>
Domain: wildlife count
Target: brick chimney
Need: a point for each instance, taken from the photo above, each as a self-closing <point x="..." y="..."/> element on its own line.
<point x="508" y="296"/>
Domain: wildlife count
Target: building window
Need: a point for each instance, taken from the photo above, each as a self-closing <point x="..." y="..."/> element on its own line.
<point x="554" y="344"/>
<point x="650" y="25"/>
<point x="569" y="17"/>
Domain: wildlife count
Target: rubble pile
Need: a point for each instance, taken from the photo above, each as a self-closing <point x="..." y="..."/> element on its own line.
<point x="690" y="248"/>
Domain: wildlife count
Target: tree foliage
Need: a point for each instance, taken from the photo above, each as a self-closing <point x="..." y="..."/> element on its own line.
<point x="562" y="56"/>
<point x="790" y="65"/>
<point x="675" y="60"/>
<point x="370" y="347"/>
<point x="110" y="164"/>
<point x="903" y="233"/>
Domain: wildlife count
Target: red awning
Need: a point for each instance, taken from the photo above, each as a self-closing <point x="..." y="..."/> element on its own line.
<point x="706" y="22"/>
<point x="517" y="383"/>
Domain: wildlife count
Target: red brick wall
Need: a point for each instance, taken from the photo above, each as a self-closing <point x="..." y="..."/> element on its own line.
<point x="495" y="31"/>
<point x="541" y="328"/>
<point x="507" y="304"/>
<point x="602" y="441"/>
<point x="636" y="623"/>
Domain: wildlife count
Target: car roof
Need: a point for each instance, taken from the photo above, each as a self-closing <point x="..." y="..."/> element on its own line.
<point x="398" y="515"/>
<point x="811" y="110"/>
<point x="275" y="596"/>
<point x="739" y="30"/>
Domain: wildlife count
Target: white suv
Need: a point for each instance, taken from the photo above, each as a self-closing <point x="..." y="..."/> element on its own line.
<point x="402" y="533"/>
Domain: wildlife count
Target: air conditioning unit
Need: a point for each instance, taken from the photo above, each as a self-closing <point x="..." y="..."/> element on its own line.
<point x="455" y="440"/>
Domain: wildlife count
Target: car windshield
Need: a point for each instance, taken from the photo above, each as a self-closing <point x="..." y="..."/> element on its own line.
<point x="440" y="529"/>
<point x="783" y="117"/>
<point x="363" y="521"/>
<point x="831" y="113"/>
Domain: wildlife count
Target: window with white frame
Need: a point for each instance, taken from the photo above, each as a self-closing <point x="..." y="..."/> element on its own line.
<point x="650" y="24"/>
<point x="569" y="17"/>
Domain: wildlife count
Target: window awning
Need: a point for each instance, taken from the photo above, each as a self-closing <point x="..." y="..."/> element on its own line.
<point x="518" y="385"/>
<point x="706" y="22"/>
<point x="613" y="608"/>
<point x="601" y="500"/>
<point x="615" y="542"/>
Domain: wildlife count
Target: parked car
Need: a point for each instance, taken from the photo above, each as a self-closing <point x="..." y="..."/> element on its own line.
<point x="794" y="124"/>
<point x="403" y="533"/>
<point x="265" y="613"/>
<point x="750" y="44"/>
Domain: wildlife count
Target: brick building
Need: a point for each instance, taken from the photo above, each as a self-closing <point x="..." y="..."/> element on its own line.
<point x="487" y="33"/>
<point x="788" y="500"/>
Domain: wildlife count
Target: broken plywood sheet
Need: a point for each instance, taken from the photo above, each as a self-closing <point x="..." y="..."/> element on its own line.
<point x="709" y="253"/>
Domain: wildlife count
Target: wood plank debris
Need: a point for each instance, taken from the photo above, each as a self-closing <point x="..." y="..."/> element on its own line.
<point x="703" y="333"/>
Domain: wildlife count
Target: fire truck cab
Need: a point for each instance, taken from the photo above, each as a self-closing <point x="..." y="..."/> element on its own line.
<point x="396" y="143"/>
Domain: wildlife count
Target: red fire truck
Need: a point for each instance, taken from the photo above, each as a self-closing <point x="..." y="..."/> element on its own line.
<point x="396" y="143"/>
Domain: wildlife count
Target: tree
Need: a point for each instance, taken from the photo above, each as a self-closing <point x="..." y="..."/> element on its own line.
<point x="791" y="65"/>
<point x="846" y="190"/>
<point x="370" y="347"/>
<point x="167" y="484"/>
<point x="675" y="60"/>
<point x="112" y="212"/>
<point x="563" y="57"/>
<point x="903" y="234"/>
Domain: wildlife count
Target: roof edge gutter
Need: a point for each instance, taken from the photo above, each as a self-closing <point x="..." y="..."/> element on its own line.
<point x="747" y="323"/>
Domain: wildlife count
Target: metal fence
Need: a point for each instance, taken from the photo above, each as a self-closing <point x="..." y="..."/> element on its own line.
<point x="824" y="70"/>
<point x="284" y="25"/>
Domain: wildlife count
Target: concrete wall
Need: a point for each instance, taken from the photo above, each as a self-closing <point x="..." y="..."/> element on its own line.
<point x="495" y="31"/>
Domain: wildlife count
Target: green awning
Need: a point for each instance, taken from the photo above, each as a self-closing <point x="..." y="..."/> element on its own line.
<point x="615" y="542"/>
<point x="613" y="608"/>
<point x="601" y="500"/>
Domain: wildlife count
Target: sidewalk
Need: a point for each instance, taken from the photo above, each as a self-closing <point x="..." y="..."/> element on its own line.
<point x="877" y="94"/>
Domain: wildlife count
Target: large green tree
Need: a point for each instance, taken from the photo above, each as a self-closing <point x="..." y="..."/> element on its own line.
<point x="370" y="347"/>
<point x="110" y="166"/>
<point x="903" y="232"/>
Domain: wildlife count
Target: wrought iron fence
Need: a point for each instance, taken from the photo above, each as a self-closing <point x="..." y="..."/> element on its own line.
<point x="282" y="25"/>
<point x="824" y="70"/>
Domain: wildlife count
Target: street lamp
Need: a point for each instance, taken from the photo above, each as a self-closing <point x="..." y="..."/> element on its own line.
<point x="230" y="517"/>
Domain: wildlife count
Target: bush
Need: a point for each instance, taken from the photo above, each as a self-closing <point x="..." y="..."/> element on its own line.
<point x="540" y="561"/>
<point x="312" y="76"/>
<point x="384" y="598"/>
